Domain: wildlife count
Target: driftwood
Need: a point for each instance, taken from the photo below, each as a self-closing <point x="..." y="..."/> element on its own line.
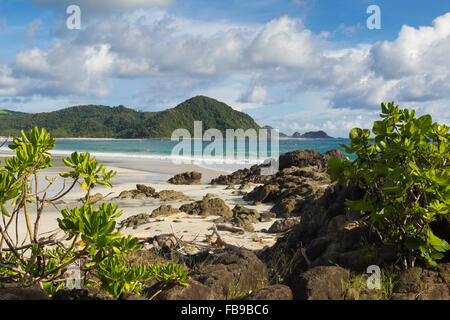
<point x="172" y="216"/>
<point x="223" y="227"/>
<point x="263" y="239"/>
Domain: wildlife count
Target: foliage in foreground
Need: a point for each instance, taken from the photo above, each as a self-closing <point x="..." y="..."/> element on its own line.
<point x="405" y="173"/>
<point x="90" y="241"/>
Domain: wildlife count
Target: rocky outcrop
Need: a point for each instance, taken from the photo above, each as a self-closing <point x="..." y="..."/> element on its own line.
<point x="88" y="293"/>
<point x="252" y="175"/>
<point x="274" y="292"/>
<point x="420" y="284"/>
<point x="170" y="195"/>
<point x="143" y="192"/>
<point x="245" y="218"/>
<point x="320" y="283"/>
<point x="232" y="275"/>
<point x="209" y="205"/>
<point x="192" y="177"/>
<point x="135" y="221"/>
<point x="324" y="235"/>
<point x="164" y="210"/>
<point x="9" y="291"/>
<point x="284" y="225"/>
<point x="306" y="158"/>
<point x="290" y="190"/>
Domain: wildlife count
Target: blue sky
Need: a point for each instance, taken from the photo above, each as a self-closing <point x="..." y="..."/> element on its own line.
<point x="297" y="65"/>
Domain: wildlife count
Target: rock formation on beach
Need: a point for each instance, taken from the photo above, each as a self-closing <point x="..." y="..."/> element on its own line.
<point x="192" y="177"/>
<point x="143" y="192"/>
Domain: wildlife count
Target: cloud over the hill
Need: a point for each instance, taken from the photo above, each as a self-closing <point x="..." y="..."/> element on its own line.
<point x="157" y="47"/>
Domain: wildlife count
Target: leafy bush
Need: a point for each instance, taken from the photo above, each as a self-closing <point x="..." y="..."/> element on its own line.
<point x="90" y="239"/>
<point x="405" y="172"/>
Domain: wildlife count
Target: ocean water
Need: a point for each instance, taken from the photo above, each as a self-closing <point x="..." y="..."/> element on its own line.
<point x="162" y="149"/>
<point x="237" y="154"/>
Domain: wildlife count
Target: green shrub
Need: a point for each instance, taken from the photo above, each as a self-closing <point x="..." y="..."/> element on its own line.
<point x="404" y="172"/>
<point x="90" y="239"/>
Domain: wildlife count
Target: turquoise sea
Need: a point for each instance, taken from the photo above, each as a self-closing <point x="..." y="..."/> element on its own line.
<point x="142" y="149"/>
<point x="142" y="154"/>
<point x="162" y="149"/>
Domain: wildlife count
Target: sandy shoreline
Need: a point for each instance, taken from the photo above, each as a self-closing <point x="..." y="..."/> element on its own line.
<point x="155" y="174"/>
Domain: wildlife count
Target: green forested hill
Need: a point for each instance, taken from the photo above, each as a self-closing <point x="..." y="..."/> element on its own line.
<point x="93" y="121"/>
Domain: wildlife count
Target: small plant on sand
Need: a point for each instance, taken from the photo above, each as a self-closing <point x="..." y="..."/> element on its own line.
<point x="405" y="174"/>
<point x="89" y="240"/>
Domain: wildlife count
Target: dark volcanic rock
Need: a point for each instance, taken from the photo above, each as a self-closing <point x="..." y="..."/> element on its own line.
<point x="88" y="293"/>
<point x="131" y="297"/>
<point x="290" y="189"/>
<point x="265" y="193"/>
<point x="233" y="274"/>
<point x="164" y="210"/>
<point x="135" y="221"/>
<point x="252" y="175"/>
<point x="275" y="292"/>
<point x="147" y="190"/>
<point x="192" y="177"/>
<point x="143" y="192"/>
<point x="244" y="217"/>
<point x="284" y="225"/>
<point x="320" y="283"/>
<point x="267" y="216"/>
<point x="306" y="158"/>
<point x="420" y="284"/>
<point x="208" y="206"/>
<point x="13" y="292"/>
<point x="171" y="195"/>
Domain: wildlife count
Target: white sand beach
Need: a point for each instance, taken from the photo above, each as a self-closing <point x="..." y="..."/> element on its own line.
<point x="153" y="173"/>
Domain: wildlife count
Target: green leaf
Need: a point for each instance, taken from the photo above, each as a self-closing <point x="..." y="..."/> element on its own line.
<point x="4" y="211"/>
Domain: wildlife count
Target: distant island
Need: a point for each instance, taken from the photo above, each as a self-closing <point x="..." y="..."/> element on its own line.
<point x="312" y="135"/>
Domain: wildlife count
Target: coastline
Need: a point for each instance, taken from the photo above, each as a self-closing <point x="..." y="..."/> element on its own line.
<point x="154" y="173"/>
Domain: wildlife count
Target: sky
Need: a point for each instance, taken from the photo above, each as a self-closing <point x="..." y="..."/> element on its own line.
<point x="297" y="65"/>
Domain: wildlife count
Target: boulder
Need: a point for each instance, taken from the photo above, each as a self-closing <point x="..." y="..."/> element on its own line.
<point x="192" y="177"/>
<point x="316" y="247"/>
<point x="244" y="217"/>
<point x="14" y="292"/>
<point x="171" y="195"/>
<point x="164" y="210"/>
<point x="352" y="235"/>
<point x="131" y="297"/>
<point x="96" y="197"/>
<point x="267" y="216"/>
<point x="232" y="275"/>
<point x="420" y="284"/>
<point x="88" y="293"/>
<point x="304" y="158"/>
<point x="290" y="190"/>
<point x="284" y="225"/>
<point x="147" y="190"/>
<point x="275" y="292"/>
<point x="252" y="174"/>
<point x="135" y="221"/>
<point x="208" y="206"/>
<point x="265" y="193"/>
<point x="246" y="186"/>
<point x="320" y="283"/>
<point x="126" y="195"/>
